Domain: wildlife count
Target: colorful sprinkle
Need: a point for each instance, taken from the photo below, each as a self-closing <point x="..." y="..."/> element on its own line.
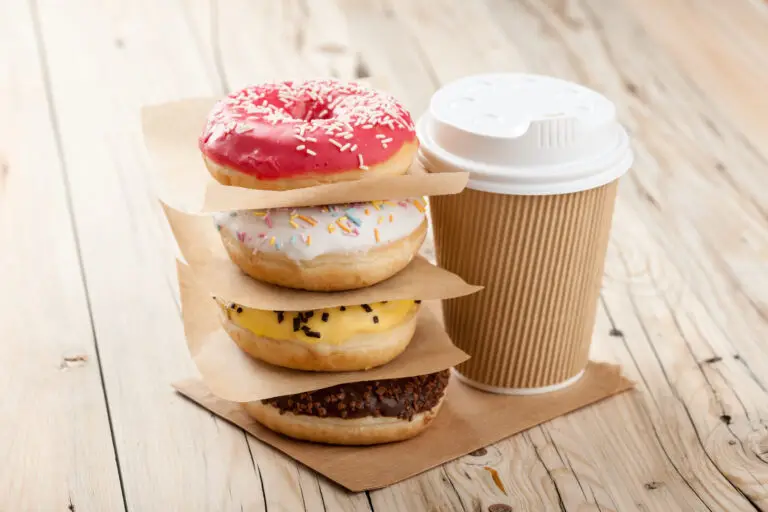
<point x="353" y="219"/>
<point x="309" y="220"/>
<point x="308" y="240"/>
<point x="295" y="226"/>
<point x="367" y="211"/>
<point x="241" y="236"/>
<point x="381" y="219"/>
<point x="331" y="228"/>
<point x="272" y="241"/>
<point x="342" y="226"/>
<point x="376" y="234"/>
<point x="257" y="213"/>
<point x="391" y="218"/>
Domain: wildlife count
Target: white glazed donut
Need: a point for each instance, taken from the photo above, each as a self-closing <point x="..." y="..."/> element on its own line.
<point x="325" y="248"/>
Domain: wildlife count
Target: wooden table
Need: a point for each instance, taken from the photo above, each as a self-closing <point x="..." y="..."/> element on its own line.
<point x="90" y="336"/>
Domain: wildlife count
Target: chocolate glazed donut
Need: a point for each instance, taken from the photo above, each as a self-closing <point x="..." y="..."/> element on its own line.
<point x="358" y="413"/>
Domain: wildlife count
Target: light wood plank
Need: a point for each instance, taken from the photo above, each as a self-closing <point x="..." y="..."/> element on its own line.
<point x="172" y="454"/>
<point x="688" y="295"/>
<point x="722" y="50"/>
<point x="570" y="29"/>
<point x="55" y="442"/>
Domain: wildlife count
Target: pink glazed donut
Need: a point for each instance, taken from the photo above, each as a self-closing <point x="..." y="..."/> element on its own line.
<point x="288" y="135"/>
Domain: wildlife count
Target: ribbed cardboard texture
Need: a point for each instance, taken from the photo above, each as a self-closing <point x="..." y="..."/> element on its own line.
<point x="540" y="259"/>
<point x="468" y="420"/>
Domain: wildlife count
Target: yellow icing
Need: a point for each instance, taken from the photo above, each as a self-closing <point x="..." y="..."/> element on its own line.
<point x="341" y="325"/>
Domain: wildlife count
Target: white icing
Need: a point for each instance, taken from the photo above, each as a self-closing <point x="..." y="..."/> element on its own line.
<point x="272" y="230"/>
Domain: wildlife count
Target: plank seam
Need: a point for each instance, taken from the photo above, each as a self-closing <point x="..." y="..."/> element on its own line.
<point x="43" y="62"/>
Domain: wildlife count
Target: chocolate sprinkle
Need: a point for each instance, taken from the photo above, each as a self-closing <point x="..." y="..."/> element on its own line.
<point x="239" y="309"/>
<point x="308" y="315"/>
<point x="375" y="319"/>
<point x="417" y="301"/>
<point x="296" y="323"/>
<point x="366" y="307"/>
<point x="393" y="398"/>
<point x="325" y="316"/>
<point x="342" y="308"/>
<point x="280" y="316"/>
<point x="309" y="332"/>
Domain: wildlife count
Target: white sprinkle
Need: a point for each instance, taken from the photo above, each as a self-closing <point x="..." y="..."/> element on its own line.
<point x="348" y="136"/>
<point x="311" y="139"/>
<point x="301" y="147"/>
<point x="384" y="146"/>
<point x="321" y="114"/>
<point x="367" y="126"/>
<point x="310" y="152"/>
<point x="301" y="130"/>
<point x="380" y="136"/>
<point x="302" y="139"/>
<point x="265" y="103"/>
<point x="353" y="148"/>
<point x="360" y="160"/>
<point x="335" y="143"/>
<point x="387" y="140"/>
<point x="344" y="147"/>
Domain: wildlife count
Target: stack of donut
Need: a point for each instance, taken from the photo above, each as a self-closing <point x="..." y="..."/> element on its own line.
<point x="289" y="135"/>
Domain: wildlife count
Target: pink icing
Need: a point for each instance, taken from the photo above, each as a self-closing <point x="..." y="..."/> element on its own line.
<point x="285" y="129"/>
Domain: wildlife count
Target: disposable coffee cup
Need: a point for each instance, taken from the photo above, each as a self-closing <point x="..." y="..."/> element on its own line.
<point x="532" y="227"/>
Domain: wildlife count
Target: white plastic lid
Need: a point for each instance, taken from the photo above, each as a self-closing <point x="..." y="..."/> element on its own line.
<point x="524" y="134"/>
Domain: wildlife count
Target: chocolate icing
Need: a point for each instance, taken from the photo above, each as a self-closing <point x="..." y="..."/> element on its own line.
<point x="394" y="398"/>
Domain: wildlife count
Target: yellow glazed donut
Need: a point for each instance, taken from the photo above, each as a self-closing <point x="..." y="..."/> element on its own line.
<point x="358" y="413"/>
<point x="345" y="338"/>
<point x="325" y="248"/>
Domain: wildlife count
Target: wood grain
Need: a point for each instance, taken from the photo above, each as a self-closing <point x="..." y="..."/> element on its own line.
<point x="168" y="452"/>
<point x="55" y="435"/>
<point x="685" y="299"/>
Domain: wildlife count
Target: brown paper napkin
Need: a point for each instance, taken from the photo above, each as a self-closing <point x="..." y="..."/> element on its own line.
<point x="171" y="132"/>
<point x="233" y="375"/>
<point x="468" y="420"/>
<point x="214" y="271"/>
